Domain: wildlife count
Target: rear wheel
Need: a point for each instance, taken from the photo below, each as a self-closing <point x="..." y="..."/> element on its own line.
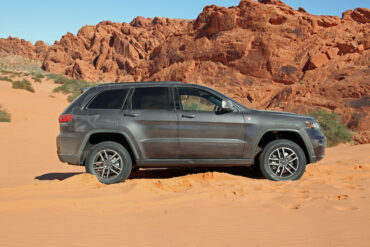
<point x="282" y="160"/>
<point x="110" y="162"/>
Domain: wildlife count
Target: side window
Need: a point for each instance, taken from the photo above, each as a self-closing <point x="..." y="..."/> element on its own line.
<point x="109" y="99"/>
<point x="194" y="99"/>
<point x="154" y="98"/>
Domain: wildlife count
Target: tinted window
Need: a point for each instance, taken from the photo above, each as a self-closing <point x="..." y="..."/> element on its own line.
<point x="155" y="98"/>
<point x="193" y="99"/>
<point x="109" y="99"/>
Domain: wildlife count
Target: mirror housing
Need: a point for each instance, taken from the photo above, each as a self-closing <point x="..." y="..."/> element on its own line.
<point x="227" y="105"/>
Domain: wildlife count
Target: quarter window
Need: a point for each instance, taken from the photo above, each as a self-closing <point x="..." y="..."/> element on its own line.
<point x="155" y="98"/>
<point x="109" y="99"/>
<point x="193" y="99"/>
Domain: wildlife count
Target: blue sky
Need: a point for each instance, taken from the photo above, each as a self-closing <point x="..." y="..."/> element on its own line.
<point x="48" y="20"/>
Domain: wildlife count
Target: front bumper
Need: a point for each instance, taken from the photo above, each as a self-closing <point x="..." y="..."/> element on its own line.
<point x="318" y="141"/>
<point x="315" y="159"/>
<point x="319" y="146"/>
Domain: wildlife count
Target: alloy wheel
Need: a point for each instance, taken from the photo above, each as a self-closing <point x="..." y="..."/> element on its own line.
<point x="283" y="162"/>
<point x="107" y="164"/>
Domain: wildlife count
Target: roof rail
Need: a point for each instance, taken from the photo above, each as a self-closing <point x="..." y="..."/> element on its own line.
<point x="120" y="83"/>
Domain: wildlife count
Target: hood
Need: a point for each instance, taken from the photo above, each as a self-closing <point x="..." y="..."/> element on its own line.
<point x="284" y="114"/>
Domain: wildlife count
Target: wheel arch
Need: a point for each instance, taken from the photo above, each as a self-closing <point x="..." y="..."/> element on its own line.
<point x="275" y="134"/>
<point x="98" y="136"/>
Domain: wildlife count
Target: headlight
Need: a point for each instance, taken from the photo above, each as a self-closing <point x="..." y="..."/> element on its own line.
<point x="313" y="125"/>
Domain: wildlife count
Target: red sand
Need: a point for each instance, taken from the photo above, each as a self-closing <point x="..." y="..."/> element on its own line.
<point x="329" y="206"/>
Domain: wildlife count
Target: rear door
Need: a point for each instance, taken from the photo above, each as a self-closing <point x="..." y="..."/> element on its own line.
<point x="150" y="117"/>
<point x="205" y="132"/>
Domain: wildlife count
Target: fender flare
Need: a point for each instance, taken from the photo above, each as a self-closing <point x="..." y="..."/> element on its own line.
<point x="305" y="139"/>
<point x="129" y="138"/>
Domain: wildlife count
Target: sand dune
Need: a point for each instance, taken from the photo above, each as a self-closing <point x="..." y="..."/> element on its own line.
<point x="46" y="203"/>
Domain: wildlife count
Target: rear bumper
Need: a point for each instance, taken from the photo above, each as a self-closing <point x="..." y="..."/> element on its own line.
<point x="70" y="159"/>
<point x="68" y="147"/>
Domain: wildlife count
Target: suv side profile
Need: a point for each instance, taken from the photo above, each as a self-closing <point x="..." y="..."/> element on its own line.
<point x="112" y="129"/>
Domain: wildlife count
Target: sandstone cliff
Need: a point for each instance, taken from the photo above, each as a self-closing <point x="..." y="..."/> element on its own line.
<point x="21" y="47"/>
<point x="264" y="54"/>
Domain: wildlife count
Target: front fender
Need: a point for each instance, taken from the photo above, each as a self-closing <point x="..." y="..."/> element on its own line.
<point x="302" y="134"/>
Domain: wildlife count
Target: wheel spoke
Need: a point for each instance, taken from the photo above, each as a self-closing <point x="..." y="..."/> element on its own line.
<point x="290" y="155"/>
<point x="114" y="171"/>
<point x="117" y="167"/>
<point x="108" y="172"/>
<point x="278" y="153"/>
<point x="115" y="160"/>
<point x="283" y="152"/>
<point x="101" y="156"/>
<point x="277" y="170"/>
<point x="106" y="155"/>
<point x="286" y="168"/>
<point x="114" y="155"/>
<point x="292" y="167"/>
<point x="282" y="171"/>
<point x="290" y="161"/>
<point x="102" y="173"/>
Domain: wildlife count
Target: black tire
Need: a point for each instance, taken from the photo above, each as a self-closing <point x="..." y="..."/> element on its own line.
<point x="277" y="161"/>
<point x="119" y="168"/>
<point x="87" y="168"/>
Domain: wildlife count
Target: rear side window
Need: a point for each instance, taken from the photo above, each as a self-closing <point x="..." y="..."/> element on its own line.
<point x="109" y="99"/>
<point x="155" y="98"/>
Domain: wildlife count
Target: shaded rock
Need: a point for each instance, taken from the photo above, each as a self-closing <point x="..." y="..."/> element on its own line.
<point x="332" y="53"/>
<point x="361" y="15"/>
<point x="302" y="10"/>
<point x="317" y="61"/>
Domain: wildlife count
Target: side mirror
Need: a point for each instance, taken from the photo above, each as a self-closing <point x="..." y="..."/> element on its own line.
<point x="227" y="105"/>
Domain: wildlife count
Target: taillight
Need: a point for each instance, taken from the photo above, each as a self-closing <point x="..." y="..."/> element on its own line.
<point x="65" y="118"/>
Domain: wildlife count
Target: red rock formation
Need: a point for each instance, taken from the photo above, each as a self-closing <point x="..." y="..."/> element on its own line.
<point x="21" y="47"/>
<point x="113" y="51"/>
<point x="265" y="54"/>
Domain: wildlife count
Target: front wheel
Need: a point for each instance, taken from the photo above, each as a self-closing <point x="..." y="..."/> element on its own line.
<point x="282" y="160"/>
<point x="110" y="162"/>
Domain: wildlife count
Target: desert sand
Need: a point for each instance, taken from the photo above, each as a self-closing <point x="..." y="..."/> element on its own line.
<point x="44" y="202"/>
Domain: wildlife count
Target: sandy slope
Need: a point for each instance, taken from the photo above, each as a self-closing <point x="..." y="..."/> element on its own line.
<point x="46" y="203"/>
<point x="28" y="143"/>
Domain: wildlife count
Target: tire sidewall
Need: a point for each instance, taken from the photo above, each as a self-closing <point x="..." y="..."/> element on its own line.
<point x="125" y="156"/>
<point x="270" y="147"/>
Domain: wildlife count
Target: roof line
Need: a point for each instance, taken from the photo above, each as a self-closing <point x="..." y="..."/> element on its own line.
<point x="137" y="82"/>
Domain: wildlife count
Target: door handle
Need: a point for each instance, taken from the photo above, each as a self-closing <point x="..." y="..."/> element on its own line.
<point x="188" y="115"/>
<point x="130" y="114"/>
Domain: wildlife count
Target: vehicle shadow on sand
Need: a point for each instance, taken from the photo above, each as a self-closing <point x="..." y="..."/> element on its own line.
<point x="57" y="175"/>
<point x="163" y="173"/>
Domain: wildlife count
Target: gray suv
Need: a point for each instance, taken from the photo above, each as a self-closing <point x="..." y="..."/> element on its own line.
<point x="115" y="128"/>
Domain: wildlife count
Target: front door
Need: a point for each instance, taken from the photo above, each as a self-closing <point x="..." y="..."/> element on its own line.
<point x="205" y="132"/>
<point x="152" y="121"/>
